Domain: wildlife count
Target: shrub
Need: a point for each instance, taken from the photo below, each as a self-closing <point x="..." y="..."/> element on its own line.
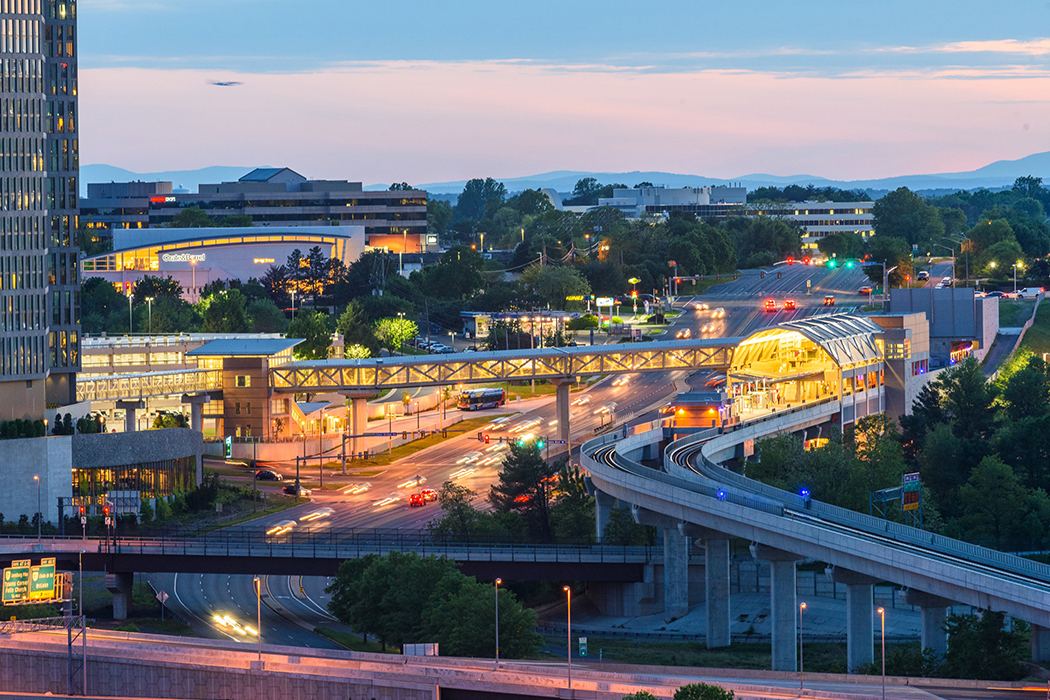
<point x="702" y="691"/>
<point x="146" y="511"/>
<point x="163" y="509"/>
<point x="582" y="323"/>
<point x="640" y="695"/>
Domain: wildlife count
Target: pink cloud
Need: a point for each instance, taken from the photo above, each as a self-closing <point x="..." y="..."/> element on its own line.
<point x="427" y="121"/>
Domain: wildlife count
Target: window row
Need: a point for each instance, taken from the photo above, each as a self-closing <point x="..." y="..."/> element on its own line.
<point x="22" y="355"/>
<point x="21" y="115"/>
<point x="21" y="233"/>
<point x="20" y="7"/>
<point x="21" y="75"/>
<point x="21" y="193"/>
<point x="21" y="272"/>
<point x="62" y="77"/>
<point x="21" y="155"/>
<point x="59" y="40"/>
<point x="20" y="35"/>
<point x="65" y="348"/>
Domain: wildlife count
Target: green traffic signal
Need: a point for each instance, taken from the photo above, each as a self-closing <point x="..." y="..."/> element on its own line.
<point x="831" y="263"/>
<point x="849" y="263"/>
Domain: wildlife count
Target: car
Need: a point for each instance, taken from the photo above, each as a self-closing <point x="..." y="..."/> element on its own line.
<point x="707" y="328"/>
<point x="923" y="275"/>
<point x="1029" y="292"/>
<point x="718" y="313"/>
<point x="471" y="348"/>
<point x="571" y="344"/>
<point x="429" y="494"/>
<point x="789" y="304"/>
<point x="683" y="334"/>
<point x="864" y="290"/>
<point x="354" y="489"/>
<point x="282" y="527"/>
<point x="267" y="475"/>
<point x="996" y="294"/>
<point x="416" y="499"/>
<point x="770" y="305"/>
<point x="829" y="300"/>
<point x="303" y="492"/>
<point x="446" y="350"/>
<point x="700" y="306"/>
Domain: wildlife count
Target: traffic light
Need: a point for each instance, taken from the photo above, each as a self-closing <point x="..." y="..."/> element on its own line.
<point x="849" y="263"/>
<point x="831" y="263"/>
<point x="229" y="446"/>
<point x="486" y="439"/>
<point x="634" y="293"/>
<point x="778" y="275"/>
<point x="539" y="443"/>
<point x="761" y="275"/>
<point x="791" y="260"/>
<point x="105" y="511"/>
<point x="83" y="511"/>
<point x="805" y="261"/>
<point x="521" y="442"/>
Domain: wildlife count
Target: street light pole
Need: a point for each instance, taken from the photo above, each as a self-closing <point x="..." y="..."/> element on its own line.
<point x="149" y="303"/>
<point x="496" y="584"/>
<point x="131" y="320"/>
<point x="801" y="667"/>
<point x="568" y="615"/>
<point x="258" y="613"/>
<point x="882" y="616"/>
<point x="39" y="514"/>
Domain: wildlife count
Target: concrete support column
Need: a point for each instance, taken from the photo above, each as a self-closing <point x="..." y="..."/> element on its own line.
<point x="716" y="582"/>
<point x="359" y="418"/>
<point x="1040" y="644"/>
<point x="562" y="402"/>
<point x="676" y="561"/>
<point x="120" y="585"/>
<point x="783" y="606"/>
<point x="603" y="507"/>
<point x="934" y="612"/>
<point x="129" y="408"/>
<point x="860" y="616"/>
<point x="196" y="403"/>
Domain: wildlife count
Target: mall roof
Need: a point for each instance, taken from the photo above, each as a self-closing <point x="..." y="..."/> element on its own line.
<point x="245" y="347"/>
<point x="849" y="340"/>
<point x="265" y="174"/>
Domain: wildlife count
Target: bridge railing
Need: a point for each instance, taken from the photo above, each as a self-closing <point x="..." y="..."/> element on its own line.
<point x="350" y="543"/>
<point x="898" y="531"/>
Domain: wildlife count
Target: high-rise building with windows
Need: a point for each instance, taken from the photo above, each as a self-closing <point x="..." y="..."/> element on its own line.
<point x="39" y="256"/>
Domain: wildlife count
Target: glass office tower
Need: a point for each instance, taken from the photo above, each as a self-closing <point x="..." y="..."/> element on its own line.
<point x="39" y="164"/>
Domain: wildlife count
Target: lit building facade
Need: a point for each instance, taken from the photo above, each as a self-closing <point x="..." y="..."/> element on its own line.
<point x="819" y="219"/>
<point x="39" y="257"/>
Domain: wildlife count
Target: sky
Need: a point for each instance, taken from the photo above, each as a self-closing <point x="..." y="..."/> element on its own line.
<point x="447" y="90"/>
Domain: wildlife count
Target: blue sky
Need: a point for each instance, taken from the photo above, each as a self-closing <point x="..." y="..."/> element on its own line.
<point x="841" y="89"/>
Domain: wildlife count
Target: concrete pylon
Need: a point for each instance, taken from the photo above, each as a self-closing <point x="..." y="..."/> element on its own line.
<point x="676" y="561"/>
<point x="716" y="582"/>
<point x="860" y="615"/>
<point x="562" y="402"/>
<point x="934" y="612"/>
<point x="359" y="417"/>
<point x="1040" y="644"/>
<point x="196" y="402"/>
<point x="129" y="408"/>
<point x="783" y="605"/>
<point x="603" y="507"/>
<point x="120" y="584"/>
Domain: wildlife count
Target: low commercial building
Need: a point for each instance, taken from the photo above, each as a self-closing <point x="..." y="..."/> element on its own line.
<point x="718" y="201"/>
<point x="193" y="257"/>
<point x="477" y="324"/>
<point x="960" y="323"/>
<point x="272" y="197"/>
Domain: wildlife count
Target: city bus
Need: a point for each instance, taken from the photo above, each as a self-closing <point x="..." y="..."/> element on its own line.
<point x="475" y="399"/>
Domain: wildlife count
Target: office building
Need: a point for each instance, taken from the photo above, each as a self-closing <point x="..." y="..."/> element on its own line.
<point x="279" y="197"/>
<point x="39" y="267"/>
<point x="819" y="219"/>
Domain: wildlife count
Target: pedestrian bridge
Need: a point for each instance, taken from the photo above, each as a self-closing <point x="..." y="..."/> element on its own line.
<point x="377" y="374"/>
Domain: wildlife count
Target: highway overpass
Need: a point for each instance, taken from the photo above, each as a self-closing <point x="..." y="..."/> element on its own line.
<point x="693" y="497"/>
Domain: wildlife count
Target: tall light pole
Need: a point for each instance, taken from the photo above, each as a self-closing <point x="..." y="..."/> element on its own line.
<point x="801" y="667"/>
<point x="149" y="302"/>
<point x="293" y="304"/>
<point x="882" y="616"/>
<point x="131" y="320"/>
<point x="193" y="267"/>
<point x="80" y="565"/>
<point x="39" y="513"/>
<point x="568" y="616"/>
<point x="258" y="613"/>
<point x="1017" y="264"/>
<point x="496" y="584"/>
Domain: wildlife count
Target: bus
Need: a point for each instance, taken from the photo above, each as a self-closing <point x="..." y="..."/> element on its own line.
<point x="476" y="399"/>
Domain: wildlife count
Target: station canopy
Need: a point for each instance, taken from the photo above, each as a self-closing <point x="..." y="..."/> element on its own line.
<point x="848" y="341"/>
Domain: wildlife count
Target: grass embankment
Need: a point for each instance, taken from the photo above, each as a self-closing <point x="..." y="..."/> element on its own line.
<point x="1037" y="339"/>
<point x="145" y="609"/>
<point x="1014" y="313"/>
<point x="351" y="641"/>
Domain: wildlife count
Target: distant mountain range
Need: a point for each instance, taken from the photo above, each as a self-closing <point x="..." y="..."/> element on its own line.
<point x="995" y="175"/>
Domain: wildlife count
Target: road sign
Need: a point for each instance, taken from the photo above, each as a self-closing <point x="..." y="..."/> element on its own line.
<point x="42" y="580"/>
<point x="556" y="442"/>
<point x="911" y="491"/>
<point x="83" y="521"/>
<point x="583" y="646"/>
<point x="162" y="597"/>
<point x="16" y="582"/>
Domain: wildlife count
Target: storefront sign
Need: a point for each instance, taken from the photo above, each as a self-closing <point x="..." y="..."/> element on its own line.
<point x="182" y="257"/>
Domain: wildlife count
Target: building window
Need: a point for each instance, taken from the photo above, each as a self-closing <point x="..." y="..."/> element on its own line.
<point x="243" y="381"/>
<point x="237" y="408"/>
<point x="248" y="408"/>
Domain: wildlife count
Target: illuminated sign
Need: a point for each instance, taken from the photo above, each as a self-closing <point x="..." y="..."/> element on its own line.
<point x="161" y="200"/>
<point x="263" y="261"/>
<point x="182" y="257"/>
<point x="42" y="580"/>
<point x="575" y="297"/>
<point x="16" y="582"/>
<point x="604" y="301"/>
<point x="432" y="239"/>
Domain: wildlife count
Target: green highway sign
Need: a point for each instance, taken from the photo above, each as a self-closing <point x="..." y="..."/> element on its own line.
<point x="42" y="580"/>
<point x="16" y="582"/>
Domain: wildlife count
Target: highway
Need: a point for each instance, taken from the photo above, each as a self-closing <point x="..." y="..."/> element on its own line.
<point x="291" y="614"/>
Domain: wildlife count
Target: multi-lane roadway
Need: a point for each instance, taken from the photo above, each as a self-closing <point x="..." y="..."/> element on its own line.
<point x="293" y="606"/>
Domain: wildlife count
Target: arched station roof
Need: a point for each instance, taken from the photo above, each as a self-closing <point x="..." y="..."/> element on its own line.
<point x="848" y="340"/>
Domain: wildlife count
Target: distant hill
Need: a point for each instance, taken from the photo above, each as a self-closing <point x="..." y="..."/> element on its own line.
<point x="189" y="179"/>
<point x="994" y="175"/>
